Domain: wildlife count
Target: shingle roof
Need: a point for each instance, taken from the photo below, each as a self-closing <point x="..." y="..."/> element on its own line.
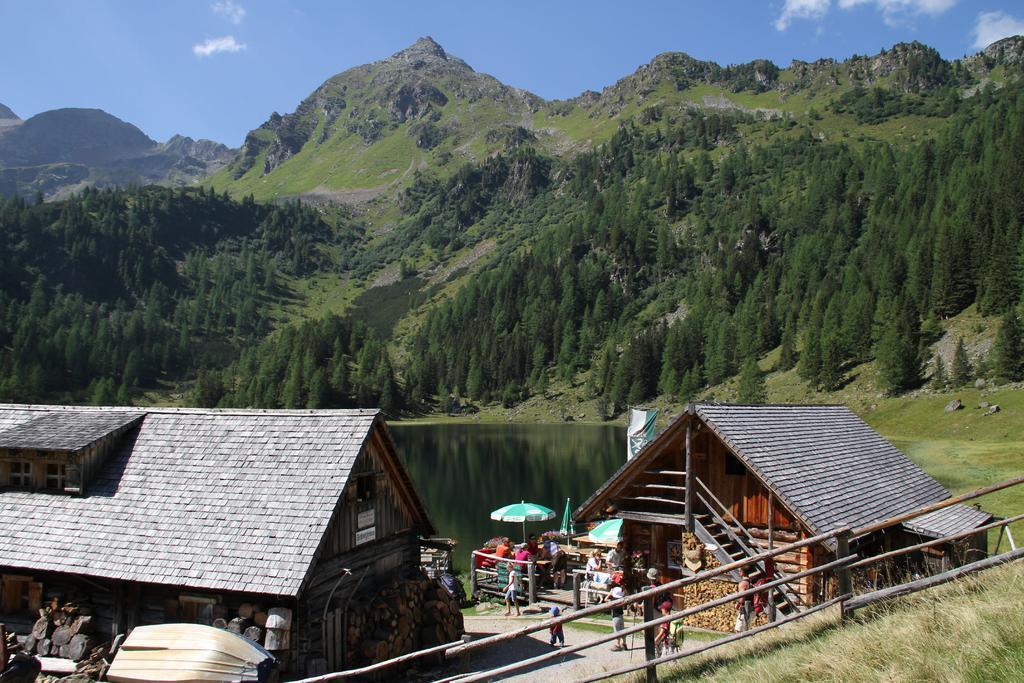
<point x="221" y="500"/>
<point x="823" y="462"/>
<point x="826" y="463"/>
<point x="62" y="430"/>
<point x="948" y="521"/>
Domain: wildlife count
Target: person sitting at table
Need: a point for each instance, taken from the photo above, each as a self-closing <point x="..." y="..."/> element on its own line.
<point x="615" y="556"/>
<point x="532" y="547"/>
<point x="595" y="568"/>
<point x="522" y="554"/>
<point x="503" y="549"/>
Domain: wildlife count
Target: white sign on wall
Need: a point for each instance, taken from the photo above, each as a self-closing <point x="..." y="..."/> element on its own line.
<point x="365" y="519"/>
<point x="366" y="535"/>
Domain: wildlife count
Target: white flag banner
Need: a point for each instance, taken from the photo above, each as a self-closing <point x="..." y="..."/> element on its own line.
<point x="640" y="430"/>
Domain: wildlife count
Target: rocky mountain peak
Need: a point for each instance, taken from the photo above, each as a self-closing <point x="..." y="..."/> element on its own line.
<point x="424" y="48"/>
<point x="1008" y="51"/>
<point x="6" y="113"/>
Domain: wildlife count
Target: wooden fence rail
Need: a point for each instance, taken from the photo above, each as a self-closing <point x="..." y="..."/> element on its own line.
<point x="938" y="541"/>
<point x="649" y="624"/>
<point x="716" y="643"/>
<point x="931" y="581"/>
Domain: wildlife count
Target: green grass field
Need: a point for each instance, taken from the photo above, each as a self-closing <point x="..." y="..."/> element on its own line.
<point x="972" y="630"/>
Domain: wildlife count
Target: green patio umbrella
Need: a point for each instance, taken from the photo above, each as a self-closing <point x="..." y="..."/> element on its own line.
<point x="523" y="512"/>
<point x="567" y="528"/>
<point x="608" y="531"/>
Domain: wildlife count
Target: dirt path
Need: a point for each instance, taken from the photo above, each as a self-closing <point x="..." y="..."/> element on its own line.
<point x="571" y="667"/>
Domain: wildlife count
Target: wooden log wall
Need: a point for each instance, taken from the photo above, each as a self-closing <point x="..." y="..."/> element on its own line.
<point x="744" y="494"/>
<point x="381" y="561"/>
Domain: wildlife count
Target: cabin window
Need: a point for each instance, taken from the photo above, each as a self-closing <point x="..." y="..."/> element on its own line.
<point x="21" y="594"/>
<point x="733" y="466"/>
<point x="366" y="487"/>
<point x="197" y="609"/>
<point x="55" y="476"/>
<point x="20" y="474"/>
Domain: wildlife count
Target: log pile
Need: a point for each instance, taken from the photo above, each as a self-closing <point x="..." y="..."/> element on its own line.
<point x="721" y="618"/>
<point x="251" y="622"/>
<point x="62" y="631"/>
<point x="403" y="617"/>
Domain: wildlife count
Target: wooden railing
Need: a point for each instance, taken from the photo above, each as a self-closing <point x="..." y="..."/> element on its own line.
<point x="529" y="581"/>
<point x="718" y="512"/>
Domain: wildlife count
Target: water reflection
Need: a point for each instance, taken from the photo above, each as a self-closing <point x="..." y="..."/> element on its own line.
<point x="464" y="471"/>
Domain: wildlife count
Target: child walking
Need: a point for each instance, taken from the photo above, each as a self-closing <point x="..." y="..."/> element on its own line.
<point x="556" y="630"/>
<point x="512" y="590"/>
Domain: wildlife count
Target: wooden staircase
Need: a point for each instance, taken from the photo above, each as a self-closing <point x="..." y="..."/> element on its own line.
<point x="714" y="525"/>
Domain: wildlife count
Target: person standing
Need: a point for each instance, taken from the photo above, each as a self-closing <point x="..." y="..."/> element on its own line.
<point x="745" y="605"/>
<point x="618" y="617"/>
<point x="512" y="590"/>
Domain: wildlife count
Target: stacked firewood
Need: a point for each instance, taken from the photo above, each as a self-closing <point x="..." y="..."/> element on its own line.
<point x="403" y="617"/>
<point x="721" y="618"/>
<point x="62" y="631"/>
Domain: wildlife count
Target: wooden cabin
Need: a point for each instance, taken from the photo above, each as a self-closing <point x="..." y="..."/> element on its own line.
<point x="744" y="478"/>
<point x="145" y="516"/>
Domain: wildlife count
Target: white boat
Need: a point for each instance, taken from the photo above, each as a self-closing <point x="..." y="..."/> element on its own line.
<point x="189" y="653"/>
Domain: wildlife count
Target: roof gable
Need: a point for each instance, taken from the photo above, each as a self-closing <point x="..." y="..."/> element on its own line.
<point x="222" y="500"/>
<point x="823" y="462"/>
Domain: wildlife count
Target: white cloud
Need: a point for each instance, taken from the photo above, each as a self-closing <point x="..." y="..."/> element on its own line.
<point x="230" y="10"/>
<point x="801" y="9"/>
<point x="993" y="26"/>
<point x="212" y="46"/>
<point x="896" y="12"/>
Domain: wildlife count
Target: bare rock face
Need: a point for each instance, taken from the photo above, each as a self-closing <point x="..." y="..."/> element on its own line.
<point x="413" y="101"/>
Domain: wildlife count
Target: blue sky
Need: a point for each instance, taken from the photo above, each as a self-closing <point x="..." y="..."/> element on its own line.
<point x="217" y="68"/>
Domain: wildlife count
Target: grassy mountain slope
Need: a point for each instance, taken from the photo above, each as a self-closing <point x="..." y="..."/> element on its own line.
<point x="972" y="630"/>
<point x="367" y="130"/>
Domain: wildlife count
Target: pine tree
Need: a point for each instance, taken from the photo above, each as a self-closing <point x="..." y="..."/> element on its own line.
<point x="787" y="353"/>
<point x="898" y="352"/>
<point x="810" y="357"/>
<point x="1009" y="349"/>
<point x="940" y="377"/>
<point x="962" y="370"/>
<point x="752" y="387"/>
<point x="830" y="375"/>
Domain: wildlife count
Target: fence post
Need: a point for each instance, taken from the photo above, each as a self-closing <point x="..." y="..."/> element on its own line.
<point x="577" y="581"/>
<point x="472" y="576"/>
<point x="531" y="570"/>
<point x="649" y="653"/>
<point x="843" y="577"/>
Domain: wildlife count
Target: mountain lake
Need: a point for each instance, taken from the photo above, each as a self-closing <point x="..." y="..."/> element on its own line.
<point x="465" y="471"/>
